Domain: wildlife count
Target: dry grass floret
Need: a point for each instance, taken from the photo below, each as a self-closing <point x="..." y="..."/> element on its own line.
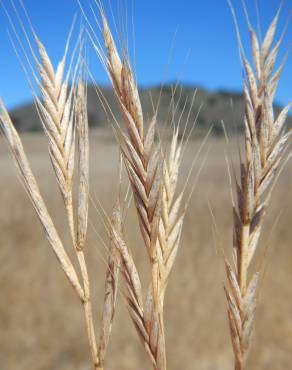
<point x="265" y="142"/>
<point x="63" y="113"/>
<point x="153" y="175"/>
<point x="153" y="179"/>
<point x="111" y="284"/>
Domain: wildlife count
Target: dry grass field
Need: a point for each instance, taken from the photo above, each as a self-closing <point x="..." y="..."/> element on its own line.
<point x="41" y="325"/>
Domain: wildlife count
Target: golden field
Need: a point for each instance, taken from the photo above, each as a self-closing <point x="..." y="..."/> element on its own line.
<point x="41" y="320"/>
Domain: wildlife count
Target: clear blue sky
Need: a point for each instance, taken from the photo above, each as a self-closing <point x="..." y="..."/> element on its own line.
<point x="200" y="33"/>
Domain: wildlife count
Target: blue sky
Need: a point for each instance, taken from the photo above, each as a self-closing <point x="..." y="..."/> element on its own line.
<point x="190" y="40"/>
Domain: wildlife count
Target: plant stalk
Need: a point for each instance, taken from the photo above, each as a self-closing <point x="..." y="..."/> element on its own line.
<point x="87" y="306"/>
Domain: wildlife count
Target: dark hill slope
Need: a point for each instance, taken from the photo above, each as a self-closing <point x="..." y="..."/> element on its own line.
<point x="216" y="106"/>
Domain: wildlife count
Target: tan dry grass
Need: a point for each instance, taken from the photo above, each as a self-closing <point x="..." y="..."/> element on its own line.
<point x="266" y="141"/>
<point x="153" y="179"/>
<point x="153" y="176"/>
<point x="63" y="114"/>
<point x="31" y="318"/>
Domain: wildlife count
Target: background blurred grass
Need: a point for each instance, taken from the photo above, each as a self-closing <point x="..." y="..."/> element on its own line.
<point x="41" y="325"/>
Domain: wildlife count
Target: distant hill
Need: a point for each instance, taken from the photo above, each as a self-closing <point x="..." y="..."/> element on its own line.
<point x="216" y="106"/>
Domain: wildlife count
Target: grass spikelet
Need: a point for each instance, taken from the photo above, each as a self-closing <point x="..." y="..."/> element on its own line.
<point x="144" y="167"/>
<point x="57" y="115"/>
<point x="153" y="178"/>
<point x="111" y="284"/>
<point x="83" y="150"/>
<point x="32" y="189"/>
<point x="265" y="144"/>
<point x="59" y="108"/>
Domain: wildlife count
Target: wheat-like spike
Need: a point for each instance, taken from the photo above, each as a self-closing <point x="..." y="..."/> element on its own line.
<point x="58" y="109"/>
<point x="111" y="284"/>
<point x="146" y="331"/>
<point x="168" y="236"/>
<point x="241" y="312"/>
<point x="134" y="295"/>
<point x="142" y="160"/>
<point x="123" y="81"/>
<point x="32" y="189"/>
<point x="153" y="179"/>
<point x="144" y="166"/>
<point x="265" y="143"/>
<point x="57" y="116"/>
<point x="142" y="176"/>
<point x="79" y="237"/>
<point x="172" y="215"/>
